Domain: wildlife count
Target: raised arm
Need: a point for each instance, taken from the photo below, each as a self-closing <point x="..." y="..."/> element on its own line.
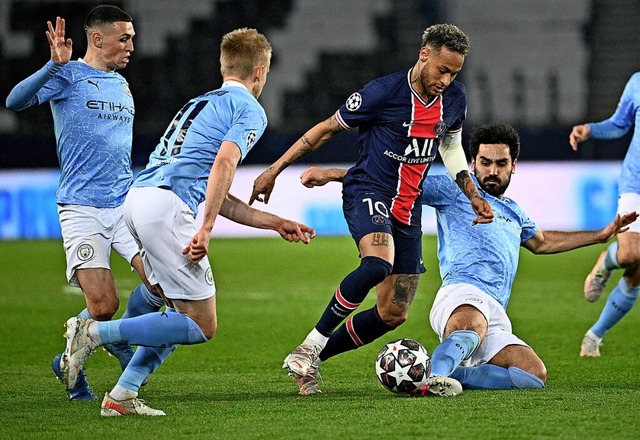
<point x="23" y="95"/>
<point x="308" y="143"/>
<point x="240" y="212"/>
<point x="551" y="242"/>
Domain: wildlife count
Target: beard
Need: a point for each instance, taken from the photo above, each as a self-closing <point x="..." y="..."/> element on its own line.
<point x="493" y="185"/>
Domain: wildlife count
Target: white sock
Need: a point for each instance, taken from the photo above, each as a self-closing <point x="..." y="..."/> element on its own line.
<point x="316" y="338"/>
<point x="119" y="393"/>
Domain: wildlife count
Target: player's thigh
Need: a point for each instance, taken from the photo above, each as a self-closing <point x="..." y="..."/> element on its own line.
<point x="163" y="225"/>
<point x="87" y="236"/>
<point x="367" y="216"/>
<point x="520" y="356"/>
<point x="100" y="292"/>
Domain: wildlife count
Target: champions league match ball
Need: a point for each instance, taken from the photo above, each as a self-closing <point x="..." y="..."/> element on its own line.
<point x="403" y="366"/>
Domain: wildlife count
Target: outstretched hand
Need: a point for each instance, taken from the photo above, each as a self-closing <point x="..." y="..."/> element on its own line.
<point x="263" y="186"/>
<point x="483" y="210"/>
<point x="295" y="232"/>
<point x="619" y="225"/>
<point x="61" y="47"/>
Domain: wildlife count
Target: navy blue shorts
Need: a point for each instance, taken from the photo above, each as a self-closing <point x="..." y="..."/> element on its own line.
<point x="367" y="212"/>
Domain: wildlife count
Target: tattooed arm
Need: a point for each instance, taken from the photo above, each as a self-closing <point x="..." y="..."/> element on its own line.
<point x="455" y="161"/>
<point x="308" y="143"/>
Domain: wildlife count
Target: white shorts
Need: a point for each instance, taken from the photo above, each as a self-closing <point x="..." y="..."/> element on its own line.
<point x="499" y="333"/>
<point x="629" y="202"/>
<point x="163" y="225"/>
<point x="89" y="234"/>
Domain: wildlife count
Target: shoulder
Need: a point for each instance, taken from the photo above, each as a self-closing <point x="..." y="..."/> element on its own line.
<point x="456" y="90"/>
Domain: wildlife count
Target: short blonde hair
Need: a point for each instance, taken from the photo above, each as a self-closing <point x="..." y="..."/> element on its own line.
<point x="243" y="49"/>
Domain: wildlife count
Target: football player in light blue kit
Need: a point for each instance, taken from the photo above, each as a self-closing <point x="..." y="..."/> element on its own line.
<point x="625" y="252"/>
<point x="194" y="162"/>
<point x="93" y="114"/>
<point x="478" y="264"/>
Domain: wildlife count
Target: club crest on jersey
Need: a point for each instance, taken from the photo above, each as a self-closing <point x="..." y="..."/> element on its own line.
<point x="251" y="139"/>
<point x="440" y="128"/>
<point x="126" y="89"/>
<point x="378" y="219"/>
<point x="354" y="102"/>
<point x="85" y="252"/>
<point x="208" y="276"/>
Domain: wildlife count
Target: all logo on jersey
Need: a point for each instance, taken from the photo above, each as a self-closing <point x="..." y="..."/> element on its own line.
<point x="354" y="102"/>
<point x="378" y="220"/>
<point x="251" y="139"/>
<point x="85" y="252"/>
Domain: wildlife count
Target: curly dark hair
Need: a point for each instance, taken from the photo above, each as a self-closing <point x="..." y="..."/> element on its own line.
<point x="495" y="133"/>
<point x="447" y="35"/>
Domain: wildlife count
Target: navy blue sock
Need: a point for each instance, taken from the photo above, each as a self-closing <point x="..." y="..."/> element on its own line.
<point x="363" y="328"/>
<point x="493" y="377"/>
<point x="352" y="291"/>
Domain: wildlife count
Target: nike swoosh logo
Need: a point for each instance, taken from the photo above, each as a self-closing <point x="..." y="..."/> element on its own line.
<point x="407" y="124"/>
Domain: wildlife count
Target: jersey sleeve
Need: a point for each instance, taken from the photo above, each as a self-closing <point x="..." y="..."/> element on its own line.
<point x="623" y="118"/>
<point x="362" y="106"/>
<point x="27" y="92"/>
<point x="461" y="111"/>
<point x="529" y="228"/>
<point x="246" y="129"/>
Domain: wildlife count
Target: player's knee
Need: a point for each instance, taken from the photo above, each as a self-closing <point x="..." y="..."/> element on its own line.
<point x="105" y="309"/>
<point x="627" y="256"/>
<point x="209" y="330"/>
<point x="376" y="268"/>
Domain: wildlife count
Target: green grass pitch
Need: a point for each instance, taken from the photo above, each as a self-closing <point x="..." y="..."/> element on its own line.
<point x="270" y="294"/>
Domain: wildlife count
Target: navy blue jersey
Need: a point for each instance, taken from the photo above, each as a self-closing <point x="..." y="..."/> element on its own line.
<point x="399" y="135"/>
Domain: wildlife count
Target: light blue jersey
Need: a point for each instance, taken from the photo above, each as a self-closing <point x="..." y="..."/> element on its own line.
<point x="484" y="255"/>
<point x="183" y="159"/>
<point x="626" y="116"/>
<point x="93" y="119"/>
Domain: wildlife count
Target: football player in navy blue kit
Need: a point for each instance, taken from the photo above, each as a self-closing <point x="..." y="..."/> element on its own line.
<point x="404" y="119"/>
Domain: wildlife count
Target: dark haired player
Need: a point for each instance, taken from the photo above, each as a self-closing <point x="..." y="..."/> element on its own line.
<point x="478" y="265"/>
<point x="404" y="119"/>
<point x="93" y="115"/>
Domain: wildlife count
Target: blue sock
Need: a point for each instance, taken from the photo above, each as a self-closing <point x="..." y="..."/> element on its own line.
<point x="85" y="314"/>
<point x="158" y="329"/>
<point x="619" y="302"/>
<point x="353" y="289"/>
<point x="122" y="352"/>
<point x="145" y="361"/>
<point x="611" y="259"/>
<point x="141" y="302"/>
<point x="363" y="328"/>
<point x="493" y="377"/>
<point x="457" y="347"/>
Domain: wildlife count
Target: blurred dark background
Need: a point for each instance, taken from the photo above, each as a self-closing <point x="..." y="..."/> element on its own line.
<point x="542" y="66"/>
